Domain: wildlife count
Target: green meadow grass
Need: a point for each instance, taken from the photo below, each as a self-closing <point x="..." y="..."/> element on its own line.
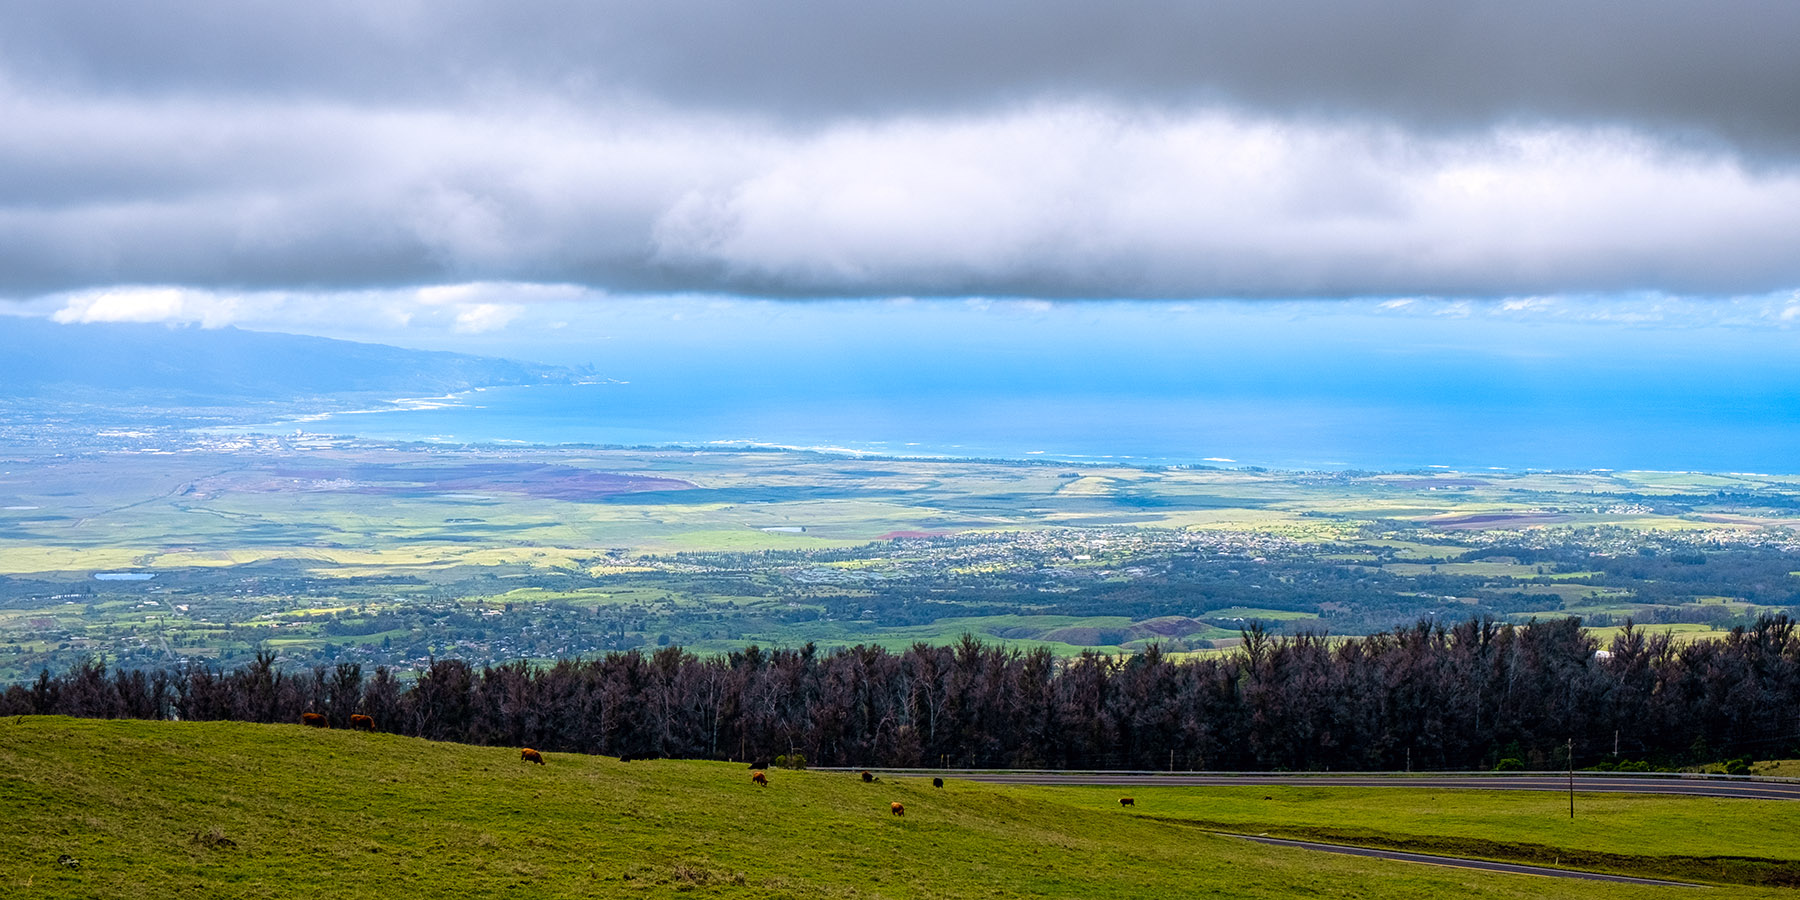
<point x="202" y="810"/>
<point x="1251" y="612"/>
<point x="1694" y="838"/>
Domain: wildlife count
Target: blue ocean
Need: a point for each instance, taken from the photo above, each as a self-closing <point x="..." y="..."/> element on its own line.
<point x="1231" y="386"/>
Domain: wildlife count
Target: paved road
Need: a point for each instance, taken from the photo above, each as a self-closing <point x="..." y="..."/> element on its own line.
<point x="1460" y="863"/>
<point x="1758" y="790"/>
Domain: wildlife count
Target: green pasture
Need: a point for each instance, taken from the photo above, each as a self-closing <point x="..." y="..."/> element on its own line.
<point x="1779" y="768"/>
<point x="1571" y="595"/>
<point x="1062" y="635"/>
<point x="1680" y="633"/>
<point x="1410" y="549"/>
<point x="1020" y="631"/>
<point x="1251" y="612"/>
<point x="1472" y="569"/>
<point x="1678" y="837"/>
<point x="180" y="810"/>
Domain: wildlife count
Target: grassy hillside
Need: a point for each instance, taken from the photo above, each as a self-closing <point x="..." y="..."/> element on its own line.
<point x="1657" y="836"/>
<point x="230" y="810"/>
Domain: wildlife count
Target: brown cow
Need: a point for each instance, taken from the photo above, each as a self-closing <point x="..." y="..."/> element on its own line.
<point x="314" y="719"/>
<point x="898" y="808"/>
<point x="530" y="755"/>
<point x="1127" y="801"/>
<point x="758" y="777"/>
<point x="868" y="777"/>
<point x="361" y="722"/>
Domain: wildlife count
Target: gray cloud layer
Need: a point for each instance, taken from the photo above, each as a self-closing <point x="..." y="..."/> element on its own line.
<point x="1007" y="148"/>
<point x="1726" y="69"/>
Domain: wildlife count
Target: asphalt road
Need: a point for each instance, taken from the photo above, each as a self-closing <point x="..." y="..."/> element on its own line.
<point x="1637" y="784"/>
<point x="1460" y="863"/>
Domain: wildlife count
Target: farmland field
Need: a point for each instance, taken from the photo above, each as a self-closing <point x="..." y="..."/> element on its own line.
<point x="326" y="549"/>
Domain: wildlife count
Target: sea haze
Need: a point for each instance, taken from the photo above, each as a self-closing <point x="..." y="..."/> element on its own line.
<point x="1284" y="385"/>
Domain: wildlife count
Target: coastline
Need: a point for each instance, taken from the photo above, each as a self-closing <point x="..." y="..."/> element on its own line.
<point x="1285" y="438"/>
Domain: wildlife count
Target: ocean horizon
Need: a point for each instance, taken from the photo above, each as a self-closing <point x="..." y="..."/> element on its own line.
<point x="1289" y="434"/>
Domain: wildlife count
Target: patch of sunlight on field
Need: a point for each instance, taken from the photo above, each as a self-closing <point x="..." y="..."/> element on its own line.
<point x="1666" y="523"/>
<point x="316" y="611"/>
<point x="900" y="642"/>
<point x="1475" y="569"/>
<point x="1089" y="486"/>
<point x="1572" y="593"/>
<point x="745" y="539"/>
<point x="1271" y="521"/>
<point x="584" y="597"/>
<point x="1062" y="636"/>
<point x="1566" y="482"/>
<point x="367" y="563"/>
<point x="20" y="615"/>
<point x="27" y="560"/>
<point x="1680" y="633"/>
<point x="1408" y="549"/>
<point x="1276" y="522"/>
<point x="1777" y="768"/>
<point x="1695" y="481"/>
<point x="1251" y="612"/>
<point x="1716" y="600"/>
<point x="208" y="559"/>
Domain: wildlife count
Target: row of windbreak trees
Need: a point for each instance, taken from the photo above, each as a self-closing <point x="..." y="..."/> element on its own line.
<point x="1428" y="697"/>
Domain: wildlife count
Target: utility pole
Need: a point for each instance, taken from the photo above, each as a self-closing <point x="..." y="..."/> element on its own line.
<point x="1615" y="744"/>
<point x="1171" y="760"/>
<point x="1571" y="779"/>
<point x="1409" y="760"/>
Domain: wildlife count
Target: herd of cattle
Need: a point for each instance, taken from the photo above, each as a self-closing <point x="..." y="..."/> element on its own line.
<point x="760" y="778"/>
<point x="358" y="721"/>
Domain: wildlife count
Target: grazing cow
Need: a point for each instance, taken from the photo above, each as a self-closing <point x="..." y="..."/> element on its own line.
<point x="937" y="782"/>
<point x="757" y="777"/>
<point x="1127" y="801"/>
<point x="530" y="755"/>
<point x="898" y="808"/>
<point x="868" y="777"/>
<point x="361" y="722"/>
<point x="314" y="720"/>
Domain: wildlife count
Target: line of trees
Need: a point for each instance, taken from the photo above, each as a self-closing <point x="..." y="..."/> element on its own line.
<point x="1431" y="696"/>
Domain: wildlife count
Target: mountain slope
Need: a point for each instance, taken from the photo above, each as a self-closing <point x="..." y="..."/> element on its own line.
<point x="42" y="358"/>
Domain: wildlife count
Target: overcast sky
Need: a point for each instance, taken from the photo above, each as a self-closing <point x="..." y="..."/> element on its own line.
<point x="167" y="160"/>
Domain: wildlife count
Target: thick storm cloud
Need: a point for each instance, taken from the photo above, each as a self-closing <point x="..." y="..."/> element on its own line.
<point x="1725" y="69"/>
<point x="1005" y="148"/>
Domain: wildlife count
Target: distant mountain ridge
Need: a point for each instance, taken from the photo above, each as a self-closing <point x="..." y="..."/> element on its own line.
<point x="39" y="358"/>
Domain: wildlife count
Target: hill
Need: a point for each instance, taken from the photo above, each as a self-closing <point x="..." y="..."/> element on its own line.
<point x="199" y="366"/>
<point x="149" y="809"/>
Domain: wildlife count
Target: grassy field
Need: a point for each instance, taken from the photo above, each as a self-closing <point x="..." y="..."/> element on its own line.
<point x="229" y="810"/>
<point x="1639" y="834"/>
